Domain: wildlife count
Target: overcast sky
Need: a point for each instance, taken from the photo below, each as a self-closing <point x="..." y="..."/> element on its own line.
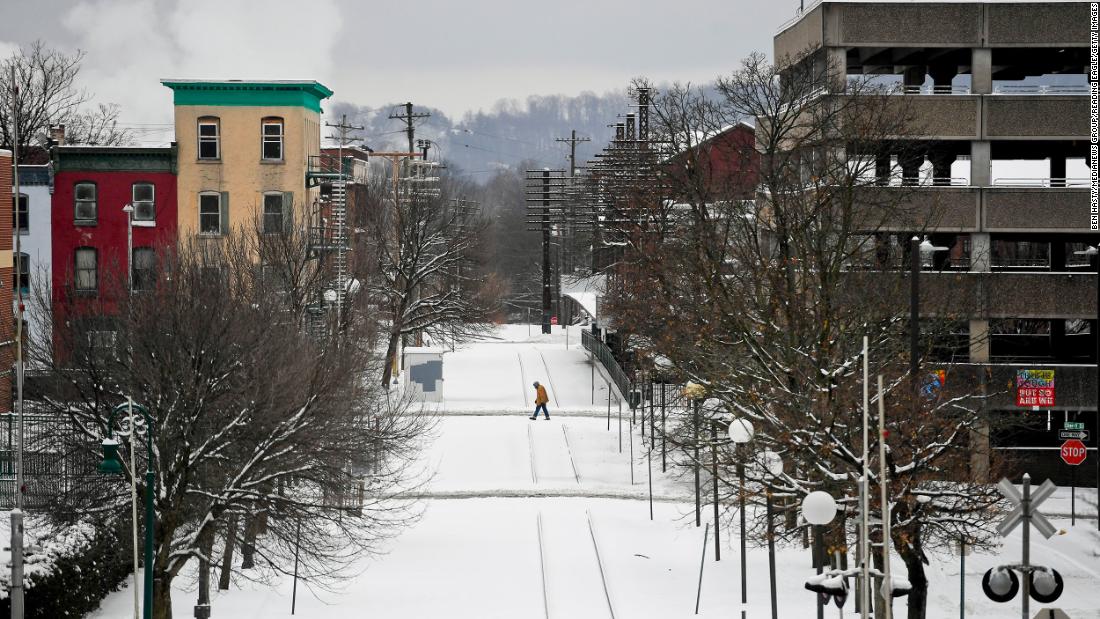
<point x="455" y="55"/>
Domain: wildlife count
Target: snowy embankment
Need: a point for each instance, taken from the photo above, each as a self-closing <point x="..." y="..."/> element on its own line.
<point x="529" y="519"/>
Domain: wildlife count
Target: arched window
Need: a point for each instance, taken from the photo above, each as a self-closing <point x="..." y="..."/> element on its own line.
<point x="271" y="131"/>
<point x="210" y="138"/>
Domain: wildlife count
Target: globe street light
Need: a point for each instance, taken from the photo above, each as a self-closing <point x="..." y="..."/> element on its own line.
<point x="111" y="465"/>
<point x="819" y="509"/>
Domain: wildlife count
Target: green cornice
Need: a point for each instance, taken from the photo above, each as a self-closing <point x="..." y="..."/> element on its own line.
<point x="113" y="159"/>
<point x="241" y="93"/>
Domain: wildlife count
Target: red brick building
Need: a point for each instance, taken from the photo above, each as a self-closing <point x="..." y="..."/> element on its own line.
<point x="89" y="228"/>
<point x="723" y="166"/>
<point x="7" y="319"/>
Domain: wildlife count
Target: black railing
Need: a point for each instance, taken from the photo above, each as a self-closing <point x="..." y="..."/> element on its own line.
<point x="602" y="353"/>
<point x="58" y="462"/>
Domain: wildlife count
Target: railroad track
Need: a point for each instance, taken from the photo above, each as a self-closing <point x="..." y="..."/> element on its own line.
<point x="599" y="563"/>
<point x="569" y="450"/>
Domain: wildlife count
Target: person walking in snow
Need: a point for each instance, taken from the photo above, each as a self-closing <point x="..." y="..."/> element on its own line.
<point x="540" y="401"/>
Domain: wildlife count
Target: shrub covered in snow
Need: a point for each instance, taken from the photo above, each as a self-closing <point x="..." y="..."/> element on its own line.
<point x="68" y="568"/>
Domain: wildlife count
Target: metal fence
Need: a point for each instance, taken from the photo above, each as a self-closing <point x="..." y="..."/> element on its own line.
<point x="57" y="462"/>
<point x="602" y="353"/>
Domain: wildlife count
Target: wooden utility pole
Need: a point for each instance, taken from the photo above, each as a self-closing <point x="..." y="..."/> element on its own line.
<point x="573" y="139"/>
<point x="409" y="117"/>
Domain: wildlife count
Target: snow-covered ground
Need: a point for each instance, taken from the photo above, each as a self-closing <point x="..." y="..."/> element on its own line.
<point x="540" y="519"/>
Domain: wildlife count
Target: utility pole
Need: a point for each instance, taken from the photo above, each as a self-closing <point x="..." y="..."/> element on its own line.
<point x="573" y="139"/>
<point x="409" y="117"/>
<point x="339" y="214"/>
<point x="565" y="232"/>
<point x="17" y="513"/>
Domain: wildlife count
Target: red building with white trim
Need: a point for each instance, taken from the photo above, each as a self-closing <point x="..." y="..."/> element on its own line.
<point x="92" y="184"/>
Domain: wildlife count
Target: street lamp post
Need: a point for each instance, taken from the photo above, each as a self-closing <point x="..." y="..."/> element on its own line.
<point x="129" y="210"/>
<point x="694" y="393"/>
<point x="1093" y="252"/>
<point x="112" y="466"/>
<point x="773" y="464"/>
<point x="741" y="432"/>
<point x="919" y="252"/>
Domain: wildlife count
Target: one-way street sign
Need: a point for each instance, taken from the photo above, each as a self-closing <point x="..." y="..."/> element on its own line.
<point x="1081" y="435"/>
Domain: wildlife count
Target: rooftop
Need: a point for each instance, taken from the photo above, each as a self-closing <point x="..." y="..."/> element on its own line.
<point x="810" y="5"/>
<point x="269" y="93"/>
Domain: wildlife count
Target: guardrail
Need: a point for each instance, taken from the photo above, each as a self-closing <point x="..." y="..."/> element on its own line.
<point x="949" y="89"/>
<point x="1041" y="182"/>
<point x="603" y="354"/>
<point x="1040" y="89"/>
<point x="998" y="89"/>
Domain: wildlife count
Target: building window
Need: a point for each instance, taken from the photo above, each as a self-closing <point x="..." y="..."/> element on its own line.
<point x="22" y="273"/>
<point x="144" y="269"/>
<point x="86" y="263"/>
<point x="209" y="138"/>
<point x="102" y="340"/>
<point x="275" y="277"/>
<point x="272" y="139"/>
<point x="210" y="213"/>
<point x="273" y="213"/>
<point x="144" y="202"/>
<point x="85" y="198"/>
<point x="19" y="221"/>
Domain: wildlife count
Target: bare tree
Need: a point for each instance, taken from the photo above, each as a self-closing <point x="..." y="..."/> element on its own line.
<point x="46" y="93"/>
<point x="765" y="301"/>
<point x="254" y="420"/>
<point x="429" y="276"/>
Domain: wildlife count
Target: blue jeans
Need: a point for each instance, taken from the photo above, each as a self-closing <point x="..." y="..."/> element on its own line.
<point x="544" y="411"/>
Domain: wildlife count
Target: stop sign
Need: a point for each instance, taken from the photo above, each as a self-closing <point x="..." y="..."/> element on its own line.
<point x="1073" y="452"/>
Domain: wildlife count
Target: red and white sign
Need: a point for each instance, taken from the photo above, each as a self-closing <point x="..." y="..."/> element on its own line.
<point x="1035" y="388"/>
<point x="553" y="320"/>
<point x="1073" y="452"/>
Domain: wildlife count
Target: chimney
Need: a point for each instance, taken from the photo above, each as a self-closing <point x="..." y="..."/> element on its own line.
<point x="57" y="134"/>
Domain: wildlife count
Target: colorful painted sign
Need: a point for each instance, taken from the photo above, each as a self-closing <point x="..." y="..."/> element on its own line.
<point x="1035" y="388"/>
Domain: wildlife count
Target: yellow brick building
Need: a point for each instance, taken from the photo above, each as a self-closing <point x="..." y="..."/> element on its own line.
<point x="244" y="150"/>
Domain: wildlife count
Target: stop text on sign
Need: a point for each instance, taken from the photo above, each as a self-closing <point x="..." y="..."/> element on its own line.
<point x="1073" y="452"/>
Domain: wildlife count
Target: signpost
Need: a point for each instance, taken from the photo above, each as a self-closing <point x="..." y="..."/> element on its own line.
<point x="1035" y="388"/>
<point x="1025" y="511"/>
<point x="1073" y="453"/>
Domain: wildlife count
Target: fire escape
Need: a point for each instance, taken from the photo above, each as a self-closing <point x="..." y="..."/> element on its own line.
<point x="327" y="236"/>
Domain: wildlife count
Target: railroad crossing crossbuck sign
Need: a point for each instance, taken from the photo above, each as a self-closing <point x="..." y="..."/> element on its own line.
<point x="1016" y="516"/>
<point x="1040" y="583"/>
